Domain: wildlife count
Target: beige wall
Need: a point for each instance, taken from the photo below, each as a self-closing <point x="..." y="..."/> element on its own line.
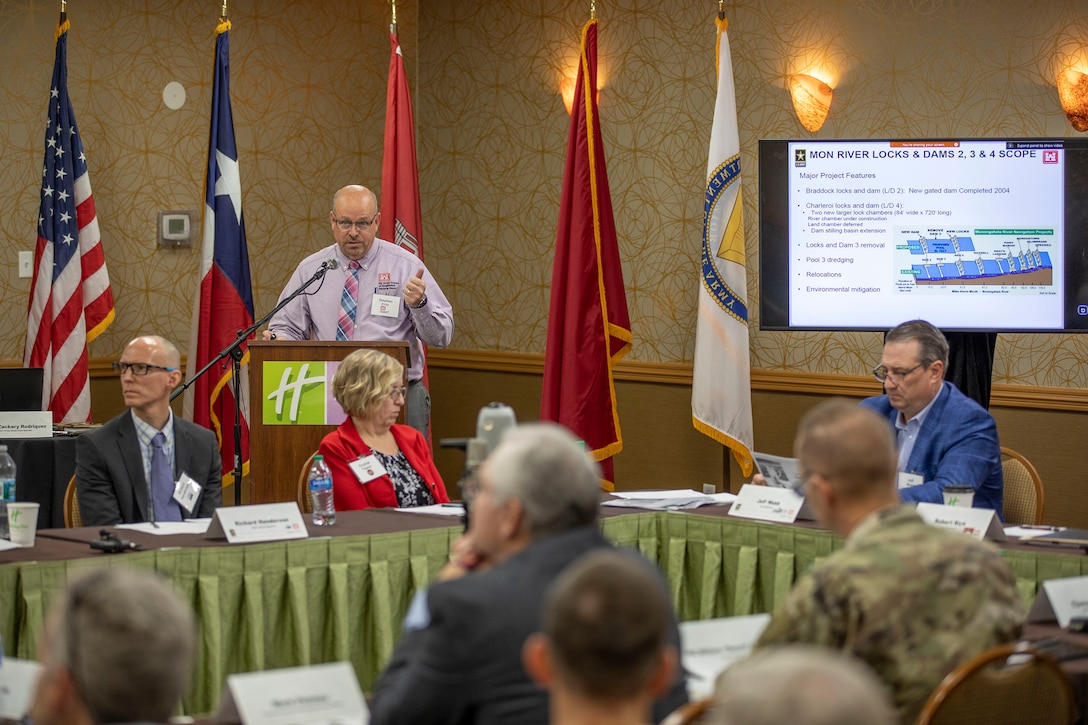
<point x="308" y="89"/>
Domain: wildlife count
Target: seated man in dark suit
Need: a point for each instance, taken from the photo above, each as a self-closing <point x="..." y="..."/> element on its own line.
<point x="459" y="659"/>
<point x="942" y="436"/>
<point x="146" y="464"/>
<point x="603" y="652"/>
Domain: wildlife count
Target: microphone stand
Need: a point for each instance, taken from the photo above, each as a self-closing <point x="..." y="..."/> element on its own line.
<point x="236" y="353"/>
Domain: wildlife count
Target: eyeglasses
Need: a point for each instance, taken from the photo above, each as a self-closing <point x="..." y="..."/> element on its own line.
<point x="400" y="392"/>
<point x="139" y="369"/>
<point x="362" y="225"/>
<point x="882" y="373"/>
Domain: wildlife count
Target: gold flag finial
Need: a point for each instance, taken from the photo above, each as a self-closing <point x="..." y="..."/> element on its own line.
<point x="393" y="25"/>
<point x="721" y="9"/>
<point x="592" y="9"/>
<point x="223" y="11"/>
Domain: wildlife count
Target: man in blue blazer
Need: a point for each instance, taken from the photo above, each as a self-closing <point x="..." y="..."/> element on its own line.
<point x="943" y="437"/>
<point x="146" y="464"/>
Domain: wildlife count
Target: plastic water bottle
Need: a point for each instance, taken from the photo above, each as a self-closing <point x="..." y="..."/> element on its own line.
<point x="7" y="488"/>
<point x="321" y="493"/>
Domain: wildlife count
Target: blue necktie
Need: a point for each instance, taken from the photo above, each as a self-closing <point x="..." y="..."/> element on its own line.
<point x="162" y="483"/>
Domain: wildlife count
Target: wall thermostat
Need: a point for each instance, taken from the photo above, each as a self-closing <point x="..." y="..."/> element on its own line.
<point x="175" y="228"/>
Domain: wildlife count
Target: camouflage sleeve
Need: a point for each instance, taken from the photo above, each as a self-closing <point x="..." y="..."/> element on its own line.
<point x="813" y="613"/>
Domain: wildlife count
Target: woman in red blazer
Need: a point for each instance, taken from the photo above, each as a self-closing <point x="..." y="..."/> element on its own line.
<point x="375" y="462"/>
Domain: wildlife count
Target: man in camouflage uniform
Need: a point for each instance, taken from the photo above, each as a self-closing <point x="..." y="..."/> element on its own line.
<point x="912" y="600"/>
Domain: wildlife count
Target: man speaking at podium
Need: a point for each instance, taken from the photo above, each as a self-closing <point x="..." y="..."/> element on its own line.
<point x="370" y="292"/>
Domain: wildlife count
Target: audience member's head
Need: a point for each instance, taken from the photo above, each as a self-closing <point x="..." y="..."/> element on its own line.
<point x="801" y="685"/>
<point x="538" y="481"/>
<point x="117" y="647"/>
<point x="912" y="366"/>
<point x="848" y="460"/>
<point x="605" y="634"/>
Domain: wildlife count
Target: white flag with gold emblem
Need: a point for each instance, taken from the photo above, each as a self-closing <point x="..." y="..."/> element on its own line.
<point x="721" y="391"/>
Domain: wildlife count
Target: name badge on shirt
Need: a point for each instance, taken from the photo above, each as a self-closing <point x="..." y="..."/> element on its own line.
<point x="385" y="306"/>
<point x="367" y="468"/>
<point x="186" y="492"/>
<point x="907" y="480"/>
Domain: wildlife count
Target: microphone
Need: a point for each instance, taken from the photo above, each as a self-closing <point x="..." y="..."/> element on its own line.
<point x="331" y="263"/>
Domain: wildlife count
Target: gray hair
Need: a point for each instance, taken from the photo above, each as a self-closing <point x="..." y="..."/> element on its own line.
<point x="801" y="685"/>
<point x="548" y="470"/>
<point x="127" y="640"/>
<point x="932" y="345"/>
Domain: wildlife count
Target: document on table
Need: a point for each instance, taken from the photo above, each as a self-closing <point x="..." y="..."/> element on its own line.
<point x="669" y="500"/>
<point x="438" y="509"/>
<point x="169" y="528"/>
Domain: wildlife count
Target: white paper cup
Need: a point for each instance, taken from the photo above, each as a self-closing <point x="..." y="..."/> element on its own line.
<point x="959" y="495"/>
<point x="22" y="522"/>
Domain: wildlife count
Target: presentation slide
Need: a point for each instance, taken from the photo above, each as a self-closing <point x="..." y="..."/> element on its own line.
<point x="965" y="234"/>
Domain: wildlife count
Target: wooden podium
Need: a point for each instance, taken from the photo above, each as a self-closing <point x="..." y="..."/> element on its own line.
<point x="277" y="452"/>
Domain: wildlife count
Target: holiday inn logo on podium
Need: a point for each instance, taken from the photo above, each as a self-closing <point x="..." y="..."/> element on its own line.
<point x="299" y="393"/>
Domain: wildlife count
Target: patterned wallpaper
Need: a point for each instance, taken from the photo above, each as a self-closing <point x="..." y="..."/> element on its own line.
<point x="308" y="89"/>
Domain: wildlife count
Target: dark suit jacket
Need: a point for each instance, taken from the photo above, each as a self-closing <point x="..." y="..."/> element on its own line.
<point x="462" y="663"/>
<point x="110" y="481"/>
<point x="957" y="443"/>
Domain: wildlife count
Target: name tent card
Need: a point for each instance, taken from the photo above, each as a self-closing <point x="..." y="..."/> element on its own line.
<point x="766" y="503"/>
<point x="979" y="523"/>
<point x="1061" y="599"/>
<point x="711" y="645"/>
<point x="260" y="522"/>
<point x="17" y="682"/>
<point x="326" y="694"/>
<point x="26" y="424"/>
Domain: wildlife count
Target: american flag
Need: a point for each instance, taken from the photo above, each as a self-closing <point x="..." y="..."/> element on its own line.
<point x="70" y="298"/>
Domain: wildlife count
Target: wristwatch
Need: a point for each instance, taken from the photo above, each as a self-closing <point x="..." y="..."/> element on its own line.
<point x="422" y="302"/>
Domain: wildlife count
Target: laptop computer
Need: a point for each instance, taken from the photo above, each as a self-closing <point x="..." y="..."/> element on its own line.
<point x="21" y="389"/>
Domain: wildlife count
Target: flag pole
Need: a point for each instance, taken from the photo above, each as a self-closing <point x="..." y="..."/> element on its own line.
<point x="592" y="9"/>
<point x="721" y="9"/>
<point x="393" y="25"/>
<point x="223" y="12"/>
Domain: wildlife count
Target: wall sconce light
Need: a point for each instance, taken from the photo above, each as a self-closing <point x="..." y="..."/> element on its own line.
<point x="566" y="89"/>
<point x="1073" y="93"/>
<point x="811" y="100"/>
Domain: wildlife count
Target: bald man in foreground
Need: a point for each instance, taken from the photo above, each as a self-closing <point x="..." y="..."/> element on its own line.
<point x="146" y="464"/>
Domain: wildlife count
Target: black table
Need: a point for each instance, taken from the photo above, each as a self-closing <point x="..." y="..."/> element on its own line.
<point x="43" y="467"/>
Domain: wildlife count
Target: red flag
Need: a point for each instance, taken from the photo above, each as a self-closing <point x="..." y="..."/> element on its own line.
<point x="70" y="298"/>
<point x="224" y="306"/>
<point x="588" y="326"/>
<point x="401" y="220"/>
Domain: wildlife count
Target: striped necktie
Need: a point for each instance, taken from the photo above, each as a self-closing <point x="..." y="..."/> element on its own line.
<point x="345" y="327"/>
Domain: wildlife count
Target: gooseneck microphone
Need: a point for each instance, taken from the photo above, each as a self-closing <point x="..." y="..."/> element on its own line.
<point x="331" y="263"/>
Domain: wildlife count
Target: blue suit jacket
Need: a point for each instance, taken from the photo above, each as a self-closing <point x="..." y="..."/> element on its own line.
<point x="957" y="443"/>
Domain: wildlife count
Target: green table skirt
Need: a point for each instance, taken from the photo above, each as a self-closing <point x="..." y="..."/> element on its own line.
<point x="283" y="604"/>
